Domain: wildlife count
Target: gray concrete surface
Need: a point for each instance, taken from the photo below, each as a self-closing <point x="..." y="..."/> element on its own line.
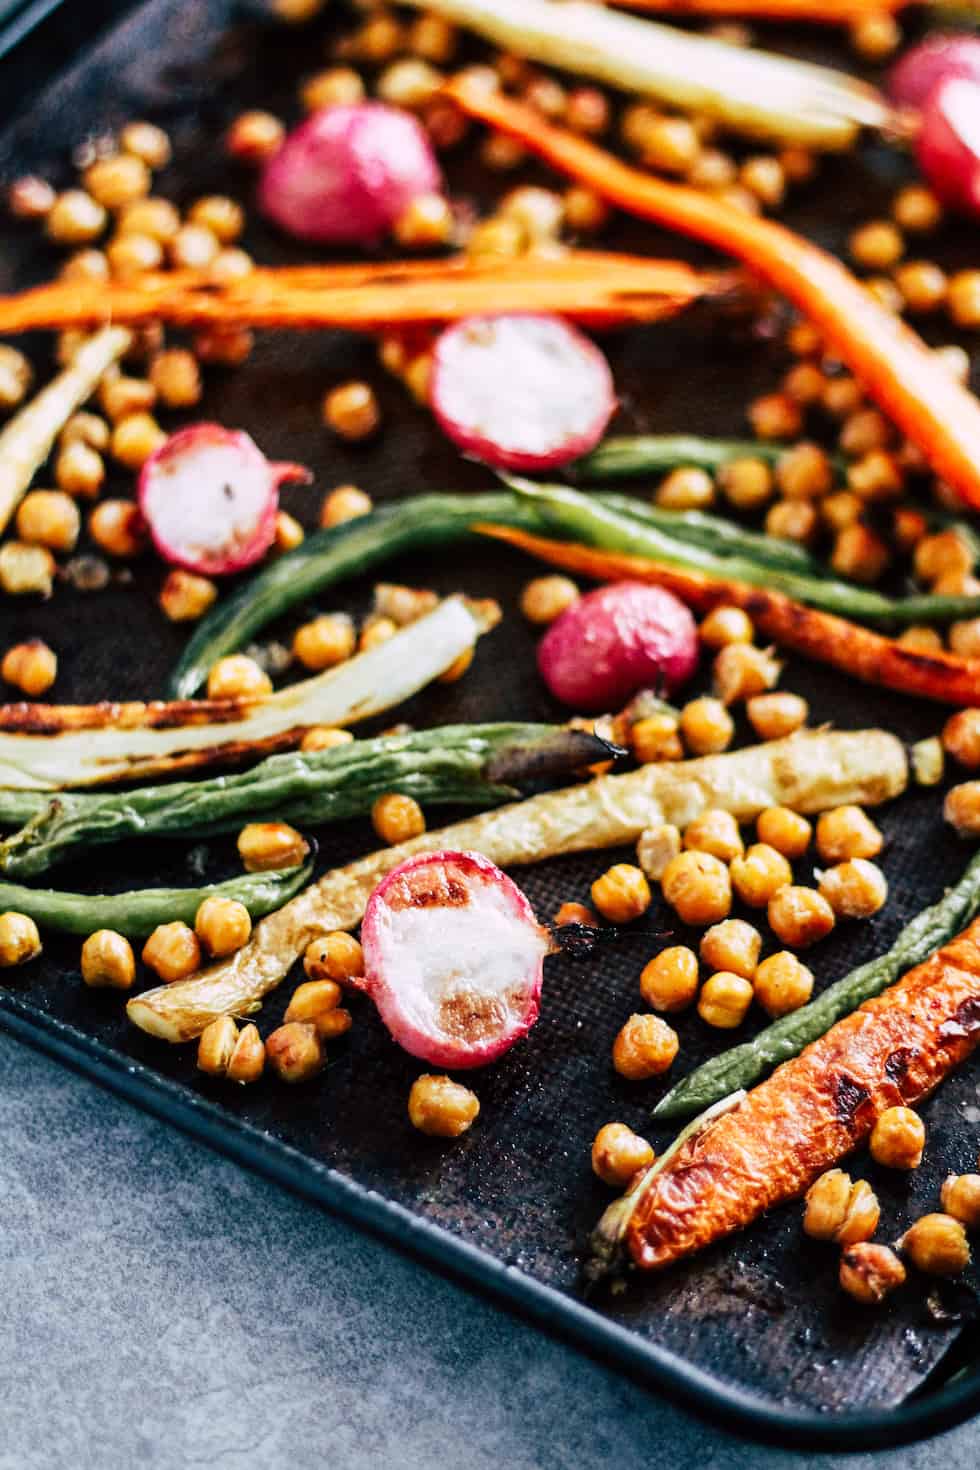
<point x="161" y="1307"/>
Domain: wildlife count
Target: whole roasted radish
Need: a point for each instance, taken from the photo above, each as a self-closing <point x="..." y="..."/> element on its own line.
<point x="453" y="958"/>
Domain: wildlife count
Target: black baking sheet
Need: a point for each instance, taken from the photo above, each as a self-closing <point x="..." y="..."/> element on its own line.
<point x="512" y="1203"/>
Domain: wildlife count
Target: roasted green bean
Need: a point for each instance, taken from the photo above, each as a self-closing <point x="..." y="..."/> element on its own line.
<point x="630" y="457"/>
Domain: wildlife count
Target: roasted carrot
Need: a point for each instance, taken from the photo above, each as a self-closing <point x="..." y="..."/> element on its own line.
<point x="818" y="635"/>
<point x="590" y="286"/>
<point x="938" y="414"/>
<point x="813" y="1110"/>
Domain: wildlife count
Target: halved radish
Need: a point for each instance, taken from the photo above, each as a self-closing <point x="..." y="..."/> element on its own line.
<point x="210" y="496"/>
<point x="521" y="392"/>
<point x="453" y="958"/>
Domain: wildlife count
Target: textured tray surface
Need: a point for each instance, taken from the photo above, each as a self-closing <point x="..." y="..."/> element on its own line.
<point x="761" y="1312"/>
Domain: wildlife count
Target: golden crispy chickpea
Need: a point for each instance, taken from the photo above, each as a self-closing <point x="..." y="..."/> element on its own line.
<point x="805" y="383"/>
<point x="782" y="983"/>
<point x="877" y="245"/>
<point x="923" y="284"/>
<point x="645" y="1047"/>
<point x="943" y="553"/>
<point x="156" y="218"/>
<point x="135" y="438"/>
<point x="698" y="887"/>
<point x="804" y="472"/>
<point x="928" y="762"/>
<point x="185" y="596"/>
<point x="30" y="198"/>
<point x="224" y="217"/>
<point x="177" y="378"/>
<point x="870" y="1272"/>
<point x="964" y="298"/>
<point x="956" y="361"/>
<point x="763" y="176"/>
<point x="19" y="939"/>
<point x="117" y="527"/>
<point x="247" y="1061"/>
<point x="746" y="483"/>
<point x="916" y="210"/>
<point x="622" y="893"/>
<point x="108" y="961"/>
<point x="759" y="874"/>
<point x="741" y="670"/>
<point x="775" y="416"/>
<point x="574" y="913"/>
<point x="792" y="520"/>
<point x="121" y="397"/>
<point x="325" y="641"/>
<point x="785" y="830"/>
<point x="345" y="503"/>
<point x="440" y="1107"/>
<point x="964" y="638"/>
<point x="222" y="925"/>
<point x="294" y="1051"/>
<point x="428" y="220"/>
<point x="118" y="180"/>
<point x="500" y="153"/>
<point x="25" y="569"/>
<point x="376" y="631"/>
<point x="543" y="599"/>
<point x="433" y="38"/>
<point x="351" y="411"/>
<point x="79" y="469"/>
<point x="338" y="86"/>
<point x="898" y="1139"/>
<point x="859" y="554"/>
<point x="669" y="982"/>
<point x="715" y="831"/>
<point x="147" y="142"/>
<point x="313" y="999"/>
<point x="238" y="677"/>
<point x="774" y="716"/>
<point x="618" y="1154"/>
<point x="724" y="1000"/>
<point x="724" y="625"/>
<point x="496" y="239"/>
<point x="960" y="1197"/>
<point x="865" y="430"/>
<point x="586" y="213"/>
<point x="193" y="248"/>
<point x="458" y="667"/>
<point x="31" y="667"/>
<point x="961" y="738"/>
<point x="712" y="170"/>
<point x="267" y="846"/>
<point x="16" y="376"/>
<point x="706" y="725"/>
<point x="842" y="396"/>
<point x="961" y="808"/>
<point x="132" y="255"/>
<point x="937" y="1245"/>
<point x="657" y="846"/>
<point x="331" y="1024"/>
<point x="289" y="532"/>
<point x="228" y="346"/>
<point x="732" y="945"/>
<point x="799" y="916"/>
<point x="75" y="218"/>
<point x="876" y="476"/>
<point x="686" y="488"/>
<point x="804" y="340"/>
<point x="410" y="83"/>
<point x="671" y="144"/>
<point x="337" y="957"/>
<point x="847" y="832"/>
<point x="255" y="136"/>
<point x="855" y="889"/>
<point x="924" y="640"/>
<point x="656" y="738"/>
<point x="216" y="1046"/>
<point x="172" y="951"/>
<point x="324" y="737"/>
<point x="397" y="818"/>
<point x="839" y="1210"/>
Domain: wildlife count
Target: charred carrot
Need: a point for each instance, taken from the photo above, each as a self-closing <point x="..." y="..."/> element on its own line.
<point x="822" y="636"/>
<point x="593" y="287"/>
<point x="939" y="415"/>
<point x="814" y="1110"/>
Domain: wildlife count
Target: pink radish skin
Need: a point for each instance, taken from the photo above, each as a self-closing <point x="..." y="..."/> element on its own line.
<point x="209" y="497"/>
<point x="616" y="640"/>
<point x="521" y="392"/>
<point x="934" y="60"/>
<point x="453" y="959"/>
<point x="347" y="174"/>
<point x="948" y="145"/>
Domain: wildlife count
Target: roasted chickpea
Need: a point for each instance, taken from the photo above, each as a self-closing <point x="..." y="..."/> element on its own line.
<point x="496" y="239"/>
<point x="345" y="503"/>
<point x="923" y="285"/>
<point x="656" y="738"/>
<point x="222" y="925"/>
<point x="847" y="832"/>
<point x="31" y="667"/>
<point x="961" y="737"/>
<point x="775" y="416"/>
<point x="686" y="488"/>
<point x="725" y="625"/>
<point x="30" y="197"/>
<point x="785" y="830"/>
<point x="295" y="1052"/>
<point x="325" y="641"/>
<point x="117" y="527"/>
<point x="746" y="483"/>
<point x="961" y="809"/>
<point x="898" y="1139"/>
<point x="928" y="762"/>
<point x="759" y="875"/>
<point x="706" y="725"/>
<point x="117" y="181"/>
<point x="19" y="939"/>
<point x="193" y="248"/>
<point x="25" y="569"/>
<point x="458" y="667"/>
<point x="229" y="265"/>
<point x="255" y="136"/>
<point x="774" y="716"/>
<point x="916" y="210"/>
<point x="804" y="472"/>
<point x="108" y="961"/>
<point x="331" y="1024"/>
<point x="337" y="957"/>
<point x="622" y="893"/>
<point x="324" y="737"/>
<point x="698" y="887"/>
<point x="964" y="298"/>
<point x="855" y="889"/>
<point x="712" y="170"/>
<point x="546" y="598"/>
<point x="877" y="246"/>
<point x="428" y="220"/>
<point x="859" y="554"/>
<point x="440" y="1107"/>
<point x="876" y="476"/>
<point x="842" y="396"/>
<point x="313" y="999"/>
<point x="724" y="1000"/>
<point x="79" y="469"/>
<point x="267" y="846"/>
<point x="732" y="945"/>
<point x="135" y="438"/>
<point x="216" y="1046"/>
<point x="964" y="638"/>
<point x="799" y="916"/>
<point x="586" y="213"/>
<point x="792" y="520"/>
<point x="177" y="378"/>
<point x="376" y="630"/>
<point x="123" y="397"/>
<point x="397" y="818"/>
<point x="618" y="1154"/>
<point x="864" y="431"/>
<point x="228" y="346"/>
<point x="574" y="913"/>
<point x="671" y="144"/>
<point x="939" y="555"/>
<point x="741" y="670"/>
<point x="645" y="1047"/>
<point x="147" y="142"/>
<point x="669" y="982"/>
<point x="870" y="1272"/>
<point x="172" y="951"/>
<point x="501" y="153"/>
<point x="805" y="383"/>
<point x="238" y="677"/>
<point x="937" y="1245"/>
<point x="185" y="597"/>
<point x="132" y="255"/>
<point x="924" y="640"/>
<point x="657" y="846"/>
<point x="16" y="376"/>
<point x="157" y="218"/>
<point x="75" y="218"/>
<point x="960" y="1197"/>
<point x="715" y="831"/>
<point x="351" y="411"/>
<point x="839" y="1210"/>
<point x="782" y="983"/>
<point x="432" y="37"/>
<point x="247" y="1061"/>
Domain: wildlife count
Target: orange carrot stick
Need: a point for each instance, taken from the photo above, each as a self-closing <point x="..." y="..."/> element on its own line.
<point x="827" y="639"/>
<point x="895" y="366"/>
<point x="592" y="287"/>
